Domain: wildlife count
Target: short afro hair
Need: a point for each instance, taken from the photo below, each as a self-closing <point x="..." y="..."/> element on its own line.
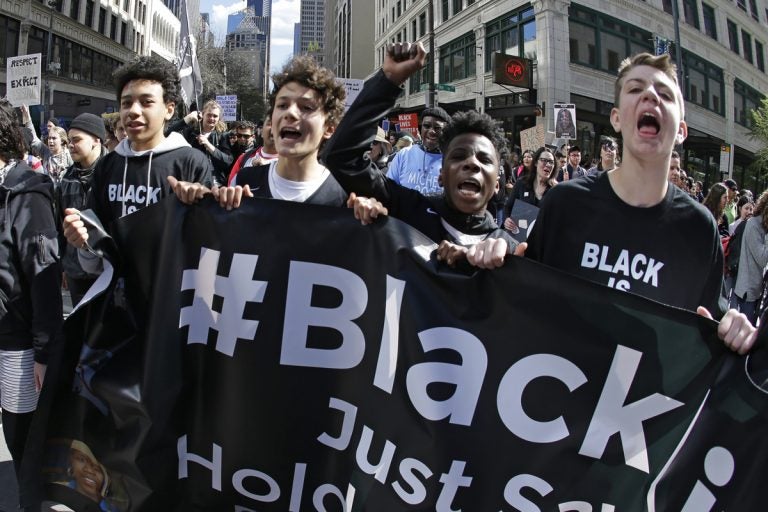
<point x="436" y="112"/>
<point x="155" y="69"/>
<point x="305" y="70"/>
<point x="472" y="121"/>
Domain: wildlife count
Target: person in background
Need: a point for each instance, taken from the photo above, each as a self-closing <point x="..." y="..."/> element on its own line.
<point x="733" y="195"/>
<point x="30" y="282"/>
<point x="715" y="203"/>
<point x="609" y="150"/>
<point x="745" y="207"/>
<point x="419" y="167"/>
<point x="54" y="153"/>
<point x="574" y="168"/>
<point x="532" y="186"/>
<point x="256" y="156"/>
<point x="380" y="151"/>
<point x="753" y="260"/>
<point x="86" y="136"/>
<point x="206" y="132"/>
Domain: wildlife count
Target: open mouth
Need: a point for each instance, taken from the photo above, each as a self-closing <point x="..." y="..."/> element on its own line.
<point x="290" y="134"/>
<point x="648" y="124"/>
<point x="469" y="188"/>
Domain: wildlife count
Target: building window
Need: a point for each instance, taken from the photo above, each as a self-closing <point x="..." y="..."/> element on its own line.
<point x="512" y="34"/>
<point x="89" y="13"/>
<point x="457" y="59"/>
<point x="102" y="21"/>
<point x="123" y="29"/>
<point x="445" y="10"/>
<point x="127" y="5"/>
<point x="9" y="44"/>
<point x="759" y="56"/>
<point x="691" y="13"/>
<point x="420" y="78"/>
<point x="422" y="24"/>
<point x="745" y="99"/>
<point x="602" y="42"/>
<point x="704" y="83"/>
<point x="746" y="41"/>
<point x="710" y="23"/>
<point x="457" y="6"/>
<point x="74" y="9"/>
<point x="753" y="10"/>
<point x="733" y="36"/>
<point x="742" y="5"/>
<point x="399" y="9"/>
<point x="667" y="6"/>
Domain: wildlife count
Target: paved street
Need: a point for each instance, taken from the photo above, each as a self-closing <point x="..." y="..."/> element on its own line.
<point x="9" y="499"/>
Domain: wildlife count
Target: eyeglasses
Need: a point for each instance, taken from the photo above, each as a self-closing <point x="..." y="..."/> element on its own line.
<point x="243" y="135"/>
<point x="547" y="161"/>
<point x="437" y="127"/>
<point x="608" y="146"/>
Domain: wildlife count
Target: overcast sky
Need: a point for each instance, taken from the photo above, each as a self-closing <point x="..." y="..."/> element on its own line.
<point x="284" y="14"/>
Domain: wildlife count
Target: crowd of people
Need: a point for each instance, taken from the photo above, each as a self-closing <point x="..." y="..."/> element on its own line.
<point x="457" y="183"/>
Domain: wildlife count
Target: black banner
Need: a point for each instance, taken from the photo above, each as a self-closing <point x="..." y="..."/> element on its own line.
<point x="283" y="357"/>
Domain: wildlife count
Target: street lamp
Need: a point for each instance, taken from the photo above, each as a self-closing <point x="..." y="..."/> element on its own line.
<point x="48" y="100"/>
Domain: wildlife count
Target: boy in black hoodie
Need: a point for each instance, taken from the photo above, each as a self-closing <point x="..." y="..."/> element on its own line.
<point x="135" y="174"/>
<point x="30" y="280"/>
<point x="470" y="146"/>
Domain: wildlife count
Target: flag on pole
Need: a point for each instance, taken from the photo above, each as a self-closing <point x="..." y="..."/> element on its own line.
<point x="189" y="68"/>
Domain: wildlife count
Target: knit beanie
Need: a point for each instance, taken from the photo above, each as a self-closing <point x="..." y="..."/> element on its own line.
<point x="90" y="123"/>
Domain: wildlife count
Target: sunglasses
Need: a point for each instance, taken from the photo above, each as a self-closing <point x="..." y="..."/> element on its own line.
<point x="243" y="136"/>
<point x="608" y="146"/>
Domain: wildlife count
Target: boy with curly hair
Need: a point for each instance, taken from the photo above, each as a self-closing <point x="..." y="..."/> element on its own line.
<point x="135" y="174"/>
<point x="307" y="103"/>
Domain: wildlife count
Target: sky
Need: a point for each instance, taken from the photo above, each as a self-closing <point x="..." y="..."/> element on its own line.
<point x="284" y="14"/>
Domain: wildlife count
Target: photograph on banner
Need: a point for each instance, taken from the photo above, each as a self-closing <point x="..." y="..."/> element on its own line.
<point x="565" y="120"/>
<point x="24" y="80"/>
<point x="77" y="479"/>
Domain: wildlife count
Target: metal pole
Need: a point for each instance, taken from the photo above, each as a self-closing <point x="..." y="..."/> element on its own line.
<point x="431" y="63"/>
<point x="48" y="100"/>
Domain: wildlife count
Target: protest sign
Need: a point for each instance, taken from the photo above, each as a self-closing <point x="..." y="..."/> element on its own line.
<point x="532" y="138"/>
<point x="409" y="123"/>
<point x="228" y="107"/>
<point x="352" y="86"/>
<point x="24" y="79"/>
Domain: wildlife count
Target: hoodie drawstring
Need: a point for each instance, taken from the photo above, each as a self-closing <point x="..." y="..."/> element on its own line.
<point x="125" y="173"/>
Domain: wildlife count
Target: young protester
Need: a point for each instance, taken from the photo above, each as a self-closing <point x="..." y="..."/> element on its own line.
<point x="635" y="231"/>
<point x="30" y="279"/>
<point x="135" y="174"/>
<point x="752" y="260"/>
<point x="86" y="143"/>
<point x="470" y="144"/>
<point x="54" y="153"/>
<point x="307" y="104"/>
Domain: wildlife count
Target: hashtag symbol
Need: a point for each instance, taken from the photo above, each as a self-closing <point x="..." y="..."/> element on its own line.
<point x="235" y="291"/>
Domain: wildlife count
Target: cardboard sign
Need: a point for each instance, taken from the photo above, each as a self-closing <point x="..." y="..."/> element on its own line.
<point x="24" y="79"/>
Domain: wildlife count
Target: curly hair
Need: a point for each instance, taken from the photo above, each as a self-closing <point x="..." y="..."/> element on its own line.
<point x="154" y="69"/>
<point x="306" y="71"/>
<point x="474" y="122"/>
<point x="11" y="139"/>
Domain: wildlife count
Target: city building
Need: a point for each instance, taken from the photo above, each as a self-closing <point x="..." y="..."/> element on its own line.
<point x="312" y="19"/>
<point x="349" y="37"/>
<point x="252" y="35"/>
<point x="88" y="39"/>
<point x="296" y="38"/>
<point x="574" y="49"/>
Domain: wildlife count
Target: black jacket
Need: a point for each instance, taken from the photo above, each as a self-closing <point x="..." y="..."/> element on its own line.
<point x="221" y="159"/>
<point x="345" y="155"/>
<point x="72" y="193"/>
<point x="30" y="273"/>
